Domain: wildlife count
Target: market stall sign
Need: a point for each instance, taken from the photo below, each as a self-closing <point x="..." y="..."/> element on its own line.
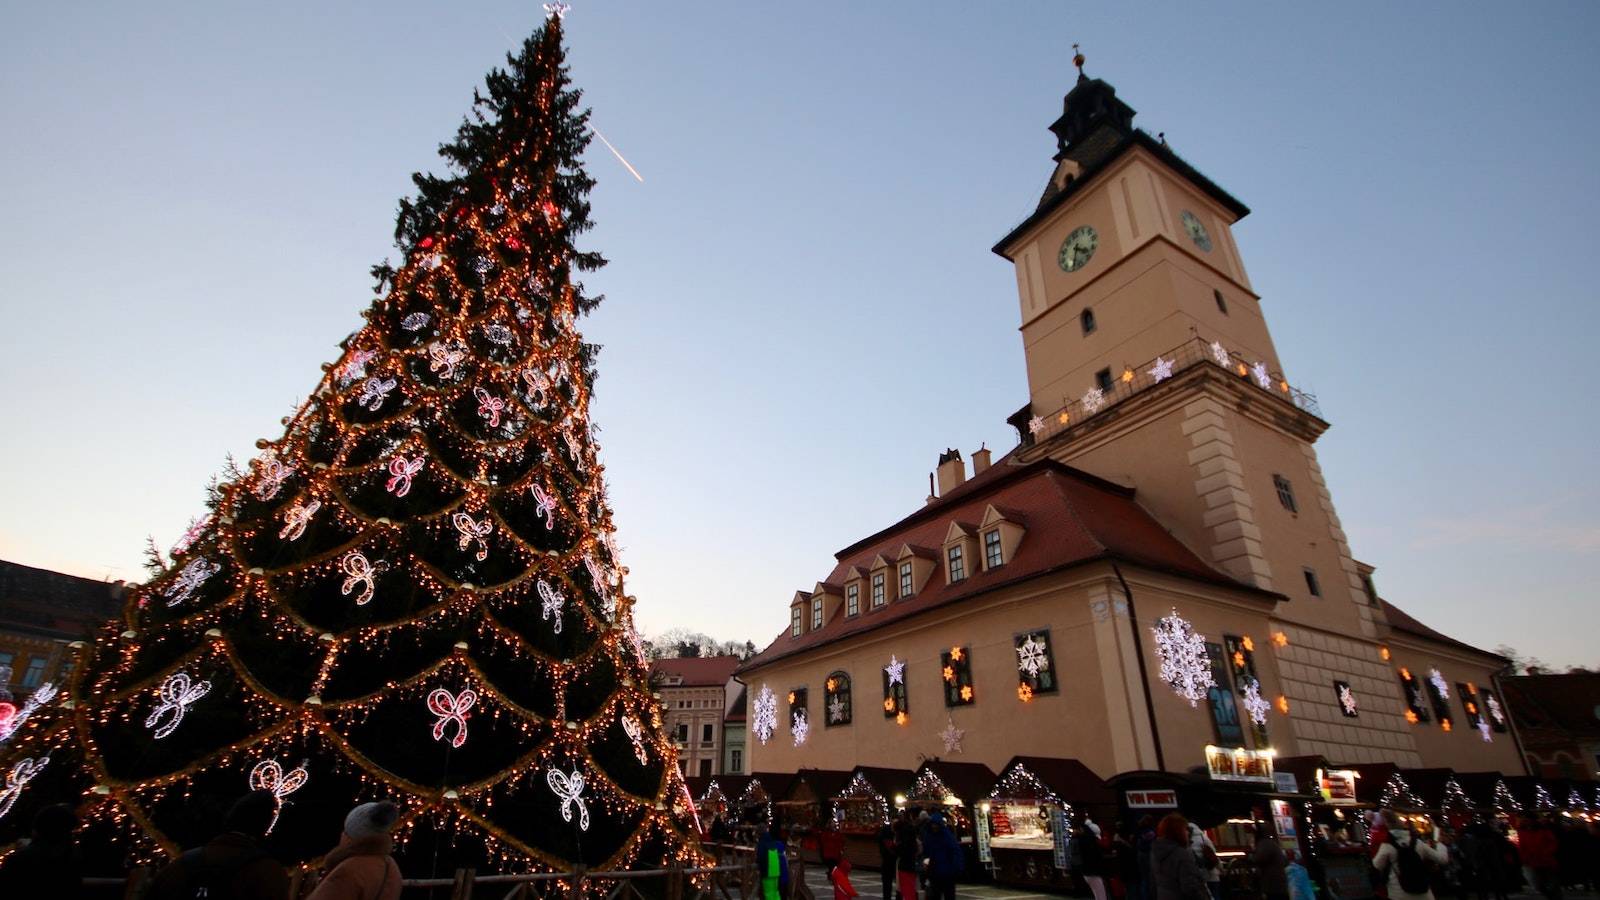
<point x="1286" y="782"/>
<point x="1167" y="799"/>
<point x="1339" y="786"/>
<point x="985" y="855"/>
<point x="1239" y="764"/>
<point x="1062" y="836"/>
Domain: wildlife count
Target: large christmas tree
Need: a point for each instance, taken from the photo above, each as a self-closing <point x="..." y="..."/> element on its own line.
<point x="413" y="593"/>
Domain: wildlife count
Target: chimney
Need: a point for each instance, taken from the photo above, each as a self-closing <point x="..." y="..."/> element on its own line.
<point x="980" y="460"/>
<point x="952" y="471"/>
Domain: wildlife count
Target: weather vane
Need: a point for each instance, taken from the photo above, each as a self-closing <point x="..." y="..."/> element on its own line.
<point x="1077" y="58"/>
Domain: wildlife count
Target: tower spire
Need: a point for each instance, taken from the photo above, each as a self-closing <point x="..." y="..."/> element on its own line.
<point x="1077" y="60"/>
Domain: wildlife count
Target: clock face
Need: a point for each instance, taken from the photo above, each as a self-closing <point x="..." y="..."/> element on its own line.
<point x="1078" y="248"/>
<point x="1197" y="231"/>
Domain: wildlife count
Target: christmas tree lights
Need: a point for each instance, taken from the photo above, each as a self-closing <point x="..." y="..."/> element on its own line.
<point x="427" y="545"/>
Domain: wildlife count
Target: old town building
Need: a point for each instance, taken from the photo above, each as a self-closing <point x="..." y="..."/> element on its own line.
<point x="1558" y="720"/>
<point x="1165" y="480"/>
<point x="698" y="695"/>
<point x="41" y="614"/>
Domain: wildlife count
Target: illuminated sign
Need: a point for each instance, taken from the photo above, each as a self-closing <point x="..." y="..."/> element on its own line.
<point x="1239" y="764"/>
<point x="1151" y="799"/>
<point x="1339" y="786"/>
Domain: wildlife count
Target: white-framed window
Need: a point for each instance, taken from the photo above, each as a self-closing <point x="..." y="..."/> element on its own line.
<point x="993" y="555"/>
<point x="707" y="731"/>
<point x="816" y="613"/>
<point x="877" y="590"/>
<point x="957" y="563"/>
<point x="794" y="621"/>
<point x="852" y="600"/>
<point x="906" y="582"/>
<point x="1285" y="493"/>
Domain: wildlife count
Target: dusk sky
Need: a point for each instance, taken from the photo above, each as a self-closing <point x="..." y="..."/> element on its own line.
<point x="802" y="309"/>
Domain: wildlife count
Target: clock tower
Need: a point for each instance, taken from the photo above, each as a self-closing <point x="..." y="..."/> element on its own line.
<point x="1150" y="364"/>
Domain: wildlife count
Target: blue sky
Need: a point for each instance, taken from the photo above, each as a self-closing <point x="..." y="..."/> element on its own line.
<point x="802" y="306"/>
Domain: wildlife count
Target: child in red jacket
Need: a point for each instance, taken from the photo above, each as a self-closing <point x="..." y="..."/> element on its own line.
<point x="842" y="888"/>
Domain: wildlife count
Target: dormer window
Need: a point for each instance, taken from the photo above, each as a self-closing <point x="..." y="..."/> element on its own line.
<point x="1086" y="319"/>
<point x="957" y="565"/>
<point x="852" y="600"/>
<point x="906" y="585"/>
<point x="795" y="626"/>
<point x="877" y="590"/>
<point x="816" y="613"/>
<point x="993" y="553"/>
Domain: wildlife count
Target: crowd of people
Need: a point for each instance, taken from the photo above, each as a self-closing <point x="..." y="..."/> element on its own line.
<point x="1551" y="855"/>
<point x="234" y="865"/>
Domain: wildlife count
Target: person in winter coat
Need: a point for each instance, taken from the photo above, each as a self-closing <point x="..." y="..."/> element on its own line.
<point x="1393" y="858"/>
<point x="1539" y="846"/>
<point x="886" y="859"/>
<point x="49" y="866"/>
<point x="772" y="863"/>
<point x="1271" y="865"/>
<point x="905" y="848"/>
<point x="1205" y="856"/>
<point x="942" y="857"/>
<point x="1300" y="886"/>
<point x="1173" y="871"/>
<point x="840" y="876"/>
<point x="1090" y="858"/>
<point x="233" y="865"/>
<point x="1144" y="839"/>
<point x="360" y="868"/>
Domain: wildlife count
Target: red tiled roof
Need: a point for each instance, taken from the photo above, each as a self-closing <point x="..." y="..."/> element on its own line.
<point x="1072" y="518"/>
<point x="696" y="671"/>
<point x="1553" y="708"/>
<point x="1400" y="620"/>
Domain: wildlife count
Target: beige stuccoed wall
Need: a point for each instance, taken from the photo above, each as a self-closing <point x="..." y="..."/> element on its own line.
<point x="1462" y="748"/>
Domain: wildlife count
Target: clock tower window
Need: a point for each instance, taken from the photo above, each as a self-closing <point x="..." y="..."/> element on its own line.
<point x="1086" y="319"/>
<point x="1102" y="380"/>
<point x="1222" y="304"/>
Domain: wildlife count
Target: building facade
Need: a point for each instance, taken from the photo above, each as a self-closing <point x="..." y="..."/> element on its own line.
<point x="1558" y="719"/>
<point x="41" y="614"/>
<point x="696" y="693"/>
<point x="1165" y="479"/>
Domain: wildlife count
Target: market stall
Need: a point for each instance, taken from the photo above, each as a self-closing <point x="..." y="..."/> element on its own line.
<point x="865" y="805"/>
<point x="953" y="789"/>
<point x="806" y="800"/>
<point x="1022" y="829"/>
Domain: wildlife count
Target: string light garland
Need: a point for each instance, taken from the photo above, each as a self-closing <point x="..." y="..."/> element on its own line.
<point x="1185" y="665"/>
<point x="1397" y="793"/>
<point x="1503" y="801"/>
<point x="485" y="293"/>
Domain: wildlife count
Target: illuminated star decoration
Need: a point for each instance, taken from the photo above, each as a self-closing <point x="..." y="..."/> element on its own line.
<point x="451" y="708"/>
<point x="18" y="778"/>
<point x="551" y="601"/>
<point x="799" y="727"/>
<point x="1031" y="657"/>
<point x="765" y="719"/>
<point x="1220" y="354"/>
<point x="401" y="471"/>
<point x="174" y="698"/>
<point x="951" y="736"/>
<point x="1263" y="378"/>
<point x="1162" y="370"/>
<point x="189" y="580"/>
<point x="269" y="776"/>
<point x="1093" y="399"/>
<point x="359" y="572"/>
<point x="13" y="721"/>
<point x="1439" y="684"/>
<point x="1185" y="666"/>
<point x="570" y="789"/>
<point x="1254" y="703"/>
<point x="896" y="670"/>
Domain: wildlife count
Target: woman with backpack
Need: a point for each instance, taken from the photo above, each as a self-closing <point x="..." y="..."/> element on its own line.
<point x="1408" y="862"/>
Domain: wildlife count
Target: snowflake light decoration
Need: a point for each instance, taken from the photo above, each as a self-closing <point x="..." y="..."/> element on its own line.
<point x="173" y="700"/>
<point x="1436" y="678"/>
<point x="836" y="709"/>
<point x="1031" y="658"/>
<point x="1495" y="711"/>
<point x="23" y="772"/>
<point x="896" y="670"/>
<point x="1220" y="354"/>
<point x="1162" y="370"/>
<point x="569" y="788"/>
<point x="268" y="775"/>
<point x="451" y="708"/>
<point x="1262" y="376"/>
<point x="799" y="727"/>
<point x="1093" y="399"/>
<point x="951" y="736"/>
<point x="1254" y="703"/>
<point x="189" y="580"/>
<point x="1347" y="700"/>
<point x="1185" y="667"/>
<point x="1035" y="425"/>
<point x="764" y="721"/>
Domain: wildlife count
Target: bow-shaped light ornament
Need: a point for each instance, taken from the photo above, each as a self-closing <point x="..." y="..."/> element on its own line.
<point x="189" y="580"/>
<point x="173" y="700"/>
<point x="472" y="531"/>
<point x="489" y="406"/>
<point x="451" y="708"/>
<point x="24" y="772"/>
<point x="296" y="518"/>
<point x="270" y="476"/>
<point x="374" y="391"/>
<point x="442" y="360"/>
<point x="551" y="602"/>
<point x="401" y="471"/>
<point x="269" y="776"/>
<point x="635" y="732"/>
<point x="544" y="505"/>
<point x="570" y="789"/>
<point x="359" y="572"/>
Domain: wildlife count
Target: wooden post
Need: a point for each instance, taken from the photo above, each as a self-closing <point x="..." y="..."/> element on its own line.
<point x="138" y="882"/>
<point x="675" y="882"/>
<point x="462" y="889"/>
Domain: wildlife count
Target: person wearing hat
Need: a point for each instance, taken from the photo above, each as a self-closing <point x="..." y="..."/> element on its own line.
<point x="234" y="865"/>
<point x="361" y="867"/>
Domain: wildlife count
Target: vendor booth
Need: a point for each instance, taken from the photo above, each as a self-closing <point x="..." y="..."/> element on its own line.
<point x="807" y="799"/>
<point x="865" y="805"/>
<point x="1022" y="829"/>
<point x="955" y="790"/>
<point x="1337" y="834"/>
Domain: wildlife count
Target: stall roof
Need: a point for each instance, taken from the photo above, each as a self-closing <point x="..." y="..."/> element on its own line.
<point x="1428" y="784"/>
<point x="1479" y="787"/>
<point x="968" y="781"/>
<point x="1373" y="778"/>
<point x="824" y="783"/>
<point x="776" y="784"/>
<point x="1069" y="779"/>
<point x="1526" y="789"/>
<point x="887" y="782"/>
